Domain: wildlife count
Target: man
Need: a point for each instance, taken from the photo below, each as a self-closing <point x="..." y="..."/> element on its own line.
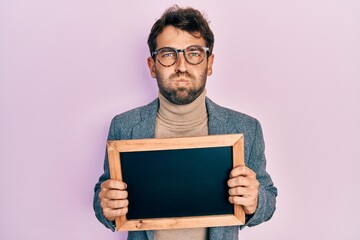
<point x="181" y="45"/>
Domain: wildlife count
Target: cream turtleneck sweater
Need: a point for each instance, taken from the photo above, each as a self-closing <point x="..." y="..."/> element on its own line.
<point x="188" y="120"/>
<point x="172" y="121"/>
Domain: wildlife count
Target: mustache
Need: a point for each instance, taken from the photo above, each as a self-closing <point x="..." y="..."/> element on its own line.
<point x="185" y="75"/>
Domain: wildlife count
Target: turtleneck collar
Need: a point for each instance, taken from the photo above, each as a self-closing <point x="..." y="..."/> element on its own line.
<point x="182" y="113"/>
<point x="188" y="120"/>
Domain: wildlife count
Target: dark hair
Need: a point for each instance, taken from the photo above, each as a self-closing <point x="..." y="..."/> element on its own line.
<point x="187" y="19"/>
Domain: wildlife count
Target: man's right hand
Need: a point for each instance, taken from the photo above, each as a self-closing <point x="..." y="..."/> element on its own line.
<point x="113" y="199"/>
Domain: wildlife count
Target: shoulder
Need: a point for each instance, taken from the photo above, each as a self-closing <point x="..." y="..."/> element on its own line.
<point x="231" y="116"/>
<point x="137" y="113"/>
<point x="124" y="122"/>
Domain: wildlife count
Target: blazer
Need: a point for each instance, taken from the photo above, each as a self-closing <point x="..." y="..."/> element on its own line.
<point x="139" y="123"/>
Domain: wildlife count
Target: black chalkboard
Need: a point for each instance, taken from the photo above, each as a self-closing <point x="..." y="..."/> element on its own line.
<point x="177" y="183"/>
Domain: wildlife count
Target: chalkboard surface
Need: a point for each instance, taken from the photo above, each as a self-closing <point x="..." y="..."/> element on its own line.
<point x="176" y="183"/>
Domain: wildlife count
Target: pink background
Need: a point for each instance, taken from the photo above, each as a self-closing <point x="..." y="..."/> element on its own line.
<point x="67" y="67"/>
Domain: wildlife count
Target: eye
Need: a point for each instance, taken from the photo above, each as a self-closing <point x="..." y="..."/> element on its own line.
<point x="194" y="51"/>
<point x="168" y="54"/>
<point x="194" y="54"/>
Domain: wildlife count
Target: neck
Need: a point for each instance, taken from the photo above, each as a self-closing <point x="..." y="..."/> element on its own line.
<point x="175" y="112"/>
<point x="188" y="120"/>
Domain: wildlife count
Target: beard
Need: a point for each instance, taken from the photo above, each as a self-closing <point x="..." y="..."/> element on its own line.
<point x="181" y="95"/>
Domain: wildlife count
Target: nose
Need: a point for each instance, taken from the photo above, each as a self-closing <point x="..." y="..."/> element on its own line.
<point x="181" y="63"/>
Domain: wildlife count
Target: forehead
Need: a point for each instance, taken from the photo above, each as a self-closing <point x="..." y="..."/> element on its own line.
<point x="177" y="38"/>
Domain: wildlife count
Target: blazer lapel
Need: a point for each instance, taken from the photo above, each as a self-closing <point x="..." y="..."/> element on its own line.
<point x="218" y="119"/>
<point x="146" y="127"/>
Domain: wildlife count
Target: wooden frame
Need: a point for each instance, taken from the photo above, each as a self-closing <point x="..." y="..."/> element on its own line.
<point x="235" y="141"/>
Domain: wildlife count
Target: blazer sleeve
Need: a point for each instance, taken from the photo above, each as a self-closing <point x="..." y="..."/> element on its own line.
<point x="267" y="190"/>
<point x="105" y="176"/>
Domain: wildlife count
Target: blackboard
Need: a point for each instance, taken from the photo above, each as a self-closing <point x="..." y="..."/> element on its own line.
<point x="177" y="183"/>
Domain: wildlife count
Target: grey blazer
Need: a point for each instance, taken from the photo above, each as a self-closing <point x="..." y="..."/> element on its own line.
<point x="140" y="123"/>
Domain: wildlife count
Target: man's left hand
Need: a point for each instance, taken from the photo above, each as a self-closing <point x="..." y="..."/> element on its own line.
<point x="244" y="188"/>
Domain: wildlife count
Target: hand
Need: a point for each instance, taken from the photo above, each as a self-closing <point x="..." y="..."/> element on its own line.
<point x="244" y="188"/>
<point x="113" y="199"/>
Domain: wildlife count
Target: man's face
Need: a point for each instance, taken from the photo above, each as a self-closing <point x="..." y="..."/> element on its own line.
<point x="182" y="82"/>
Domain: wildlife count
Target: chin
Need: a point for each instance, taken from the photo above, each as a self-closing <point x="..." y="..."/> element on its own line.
<point x="183" y="99"/>
<point x="181" y="96"/>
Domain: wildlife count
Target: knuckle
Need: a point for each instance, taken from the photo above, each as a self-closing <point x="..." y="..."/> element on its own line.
<point x="233" y="172"/>
<point x="237" y="171"/>
<point x="120" y="212"/>
<point x="111" y="184"/>
<point x="111" y="204"/>
<point x="120" y="204"/>
<point x="105" y="184"/>
<point x="102" y="204"/>
<point x="232" y="191"/>
<point x="113" y="194"/>
<point x="103" y="195"/>
<point x="106" y="195"/>
<point x="109" y="214"/>
<point x="229" y="182"/>
<point x="241" y="170"/>
<point x="121" y="194"/>
<point x="237" y="200"/>
<point x="238" y="190"/>
<point x="124" y="203"/>
<point x="106" y="213"/>
<point x="124" y="210"/>
<point x="123" y="185"/>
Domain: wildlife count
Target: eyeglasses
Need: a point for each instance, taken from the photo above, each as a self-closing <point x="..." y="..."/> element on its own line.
<point x="168" y="56"/>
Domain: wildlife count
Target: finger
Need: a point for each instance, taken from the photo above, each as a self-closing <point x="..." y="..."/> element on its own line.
<point x="241" y="171"/>
<point x="111" y="214"/>
<point x="239" y="181"/>
<point x="239" y="200"/>
<point x="113" y="184"/>
<point x="114" y="194"/>
<point x="238" y="191"/>
<point x="248" y="204"/>
<point x="114" y="204"/>
<point x="243" y="192"/>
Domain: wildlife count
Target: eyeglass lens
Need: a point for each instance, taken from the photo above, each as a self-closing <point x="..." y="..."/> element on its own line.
<point x="193" y="54"/>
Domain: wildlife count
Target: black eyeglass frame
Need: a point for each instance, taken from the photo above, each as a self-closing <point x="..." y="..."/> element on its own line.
<point x="206" y="49"/>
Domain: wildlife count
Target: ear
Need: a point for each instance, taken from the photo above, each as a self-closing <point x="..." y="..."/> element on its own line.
<point x="210" y="64"/>
<point x="151" y="65"/>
